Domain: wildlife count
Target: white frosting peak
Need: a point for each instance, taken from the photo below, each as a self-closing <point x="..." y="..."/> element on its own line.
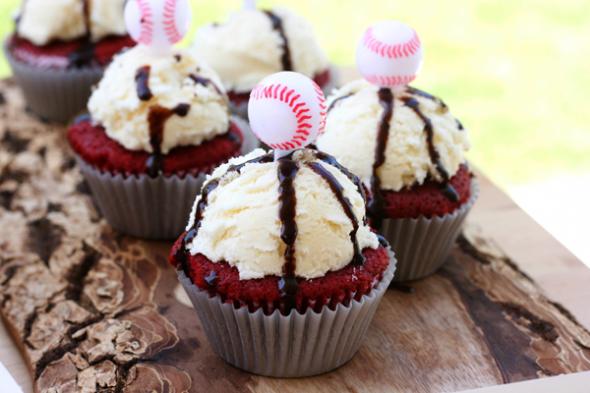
<point x="116" y="105"/>
<point x="241" y="223"/>
<point x="351" y="136"/>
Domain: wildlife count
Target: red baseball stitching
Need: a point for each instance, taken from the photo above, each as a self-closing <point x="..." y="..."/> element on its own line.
<point x="169" y="21"/>
<point x="397" y="80"/>
<point x="146" y="23"/>
<point x="299" y="108"/>
<point x="404" y="49"/>
<point x="323" y="107"/>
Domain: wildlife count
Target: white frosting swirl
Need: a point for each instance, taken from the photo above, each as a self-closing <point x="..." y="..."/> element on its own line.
<point x="241" y="223"/>
<point x="246" y="48"/>
<point x="115" y="103"/>
<point x="351" y="136"/>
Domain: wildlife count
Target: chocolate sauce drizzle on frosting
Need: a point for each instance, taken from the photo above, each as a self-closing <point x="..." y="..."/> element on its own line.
<point x="337" y="100"/>
<point x="157" y="117"/>
<point x="201" y="80"/>
<point x="142" y="79"/>
<point x="85" y="52"/>
<point x="277" y="25"/>
<point x="446" y="187"/>
<point x="376" y="205"/>
<point x="287" y="171"/>
<point x="338" y="192"/>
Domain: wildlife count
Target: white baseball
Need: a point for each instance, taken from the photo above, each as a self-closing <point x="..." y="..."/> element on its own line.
<point x="389" y="54"/>
<point x="287" y="110"/>
<point x="157" y="23"/>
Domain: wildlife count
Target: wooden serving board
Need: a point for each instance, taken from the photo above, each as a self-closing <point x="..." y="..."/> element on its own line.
<point x="91" y="310"/>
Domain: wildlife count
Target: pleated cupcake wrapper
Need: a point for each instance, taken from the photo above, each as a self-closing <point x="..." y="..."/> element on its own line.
<point x="241" y="109"/>
<point x="146" y="207"/>
<point x="142" y="206"/>
<point x="294" y="345"/>
<point x="422" y="244"/>
<point x="54" y="94"/>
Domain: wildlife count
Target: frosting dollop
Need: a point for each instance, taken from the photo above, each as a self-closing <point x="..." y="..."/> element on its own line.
<point x="177" y="80"/>
<point x="241" y="223"/>
<point x="246" y="48"/>
<point x="351" y="135"/>
<point x="42" y="21"/>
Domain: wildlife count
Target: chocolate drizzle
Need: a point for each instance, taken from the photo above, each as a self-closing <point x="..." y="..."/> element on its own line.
<point x="201" y="80"/>
<point x="277" y="25"/>
<point x="142" y="83"/>
<point x="287" y="170"/>
<point x="338" y="192"/>
<point x="376" y="205"/>
<point x="330" y="160"/>
<point x="421" y="93"/>
<point x="157" y="117"/>
<point x="337" y="100"/>
<point x="446" y="187"/>
<point x="84" y="54"/>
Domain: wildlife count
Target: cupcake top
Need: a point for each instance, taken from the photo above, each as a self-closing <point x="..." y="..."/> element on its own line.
<point x="42" y="21"/>
<point x="252" y="44"/>
<point x="156" y="102"/>
<point x="302" y="215"/>
<point x="402" y="136"/>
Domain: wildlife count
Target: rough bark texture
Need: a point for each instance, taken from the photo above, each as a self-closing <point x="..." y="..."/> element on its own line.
<point x="95" y="311"/>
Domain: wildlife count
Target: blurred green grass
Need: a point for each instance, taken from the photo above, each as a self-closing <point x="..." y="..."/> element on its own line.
<point x="515" y="72"/>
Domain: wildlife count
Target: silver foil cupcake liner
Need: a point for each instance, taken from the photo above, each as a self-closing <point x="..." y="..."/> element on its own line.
<point x="146" y="207"/>
<point x="54" y="94"/>
<point x="423" y="244"/>
<point x="294" y="345"/>
<point x="142" y="206"/>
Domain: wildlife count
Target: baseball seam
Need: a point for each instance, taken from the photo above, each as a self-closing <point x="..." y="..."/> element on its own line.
<point x="169" y="21"/>
<point x="147" y="22"/>
<point x="404" y="49"/>
<point x="396" y="80"/>
<point x="323" y="107"/>
<point x="299" y="108"/>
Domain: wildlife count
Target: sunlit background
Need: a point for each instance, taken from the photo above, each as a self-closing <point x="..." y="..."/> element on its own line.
<point x="517" y="73"/>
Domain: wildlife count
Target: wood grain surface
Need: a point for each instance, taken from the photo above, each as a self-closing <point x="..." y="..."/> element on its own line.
<point x="91" y="310"/>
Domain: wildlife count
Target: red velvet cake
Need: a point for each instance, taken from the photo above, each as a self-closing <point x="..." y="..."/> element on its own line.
<point x="93" y="145"/>
<point x="428" y="199"/>
<point x="71" y="54"/>
<point x="337" y="287"/>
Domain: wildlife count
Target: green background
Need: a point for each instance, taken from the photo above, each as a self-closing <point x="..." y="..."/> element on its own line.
<point x="517" y="73"/>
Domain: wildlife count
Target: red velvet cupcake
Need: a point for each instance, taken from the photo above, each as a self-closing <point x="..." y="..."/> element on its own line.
<point x="158" y="124"/>
<point x="253" y="44"/>
<point x="279" y="250"/>
<point x="409" y="151"/>
<point x="60" y="49"/>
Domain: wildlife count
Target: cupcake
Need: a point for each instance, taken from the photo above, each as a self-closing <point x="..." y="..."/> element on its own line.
<point x="409" y="151"/>
<point x="279" y="262"/>
<point x="253" y="44"/>
<point x="159" y="122"/>
<point x="59" y="50"/>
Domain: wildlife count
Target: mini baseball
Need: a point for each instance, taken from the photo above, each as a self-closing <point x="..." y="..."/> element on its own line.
<point x="287" y="111"/>
<point x="389" y="54"/>
<point x="157" y="23"/>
